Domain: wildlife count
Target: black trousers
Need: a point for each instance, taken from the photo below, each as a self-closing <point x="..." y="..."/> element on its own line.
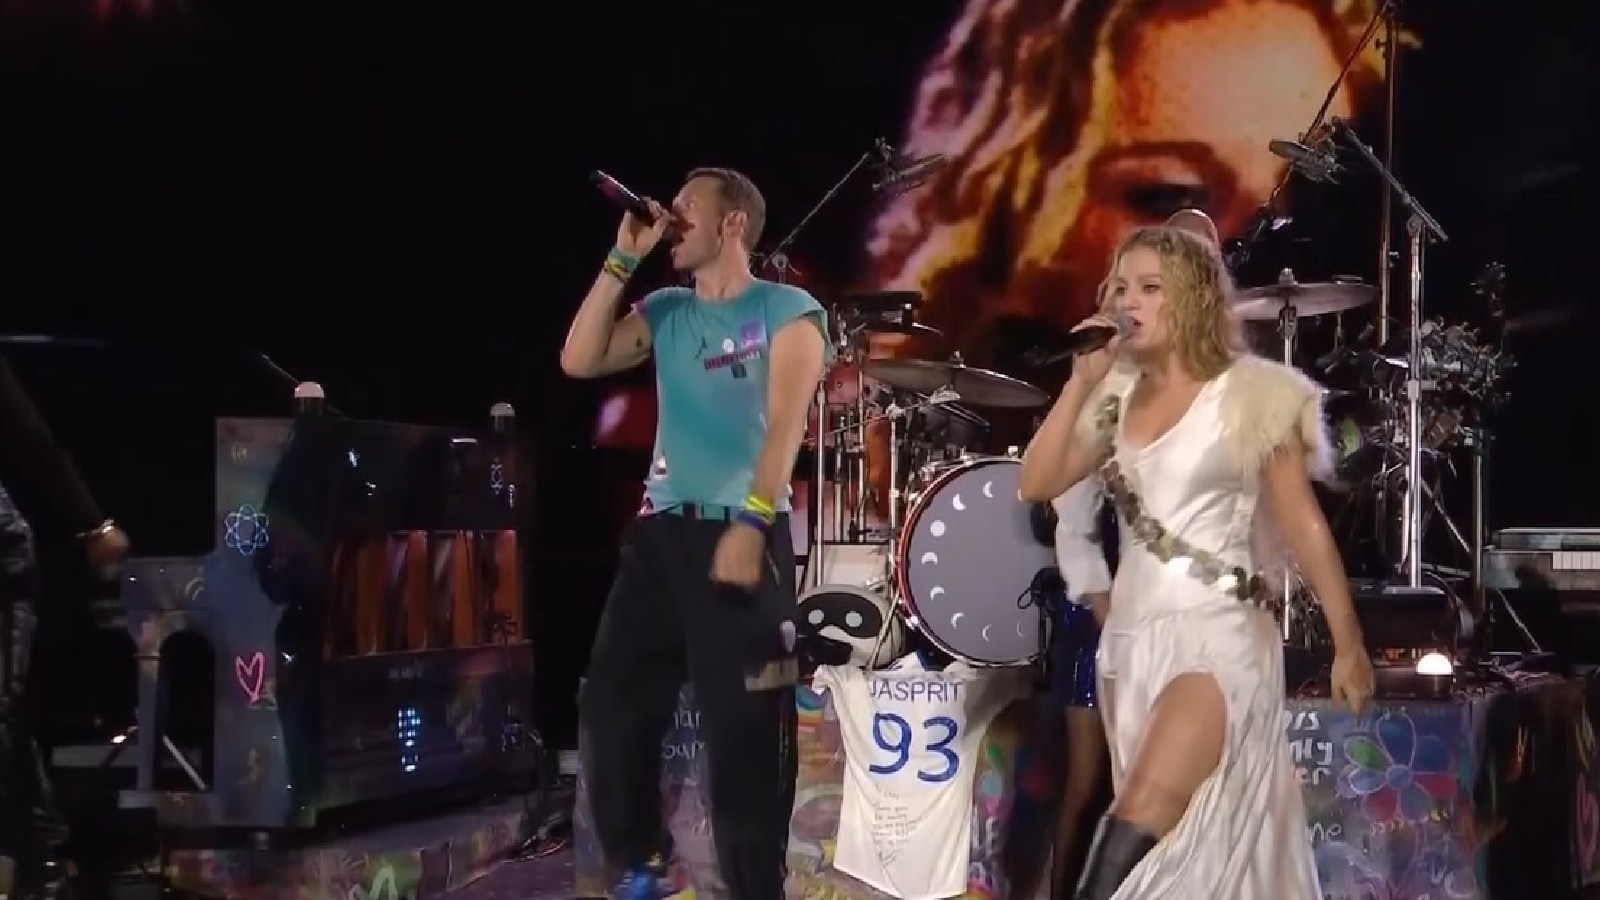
<point x="665" y="623"/>
<point x="27" y="807"/>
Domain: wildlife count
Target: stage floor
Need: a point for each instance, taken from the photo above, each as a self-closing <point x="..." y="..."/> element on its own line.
<point x="550" y="878"/>
<point x="422" y="860"/>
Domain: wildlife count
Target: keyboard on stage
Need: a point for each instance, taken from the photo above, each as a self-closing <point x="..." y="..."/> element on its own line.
<point x="1549" y="559"/>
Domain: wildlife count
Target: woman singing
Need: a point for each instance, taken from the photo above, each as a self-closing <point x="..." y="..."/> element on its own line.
<point x="1191" y="667"/>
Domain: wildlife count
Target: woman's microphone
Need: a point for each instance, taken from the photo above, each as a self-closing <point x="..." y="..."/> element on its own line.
<point x="1084" y="340"/>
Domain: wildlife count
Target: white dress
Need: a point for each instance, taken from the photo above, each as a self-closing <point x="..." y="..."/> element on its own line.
<point x="1243" y="836"/>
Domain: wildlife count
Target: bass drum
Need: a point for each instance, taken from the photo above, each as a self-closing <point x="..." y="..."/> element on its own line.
<point x="967" y="564"/>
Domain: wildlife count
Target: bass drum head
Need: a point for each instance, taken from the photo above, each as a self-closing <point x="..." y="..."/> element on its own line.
<point x="967" y="562"/>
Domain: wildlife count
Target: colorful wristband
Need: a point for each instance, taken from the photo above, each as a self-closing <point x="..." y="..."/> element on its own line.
<point x="627" y="262"/>
<point x="761" y="508"/>
<point x="752" y="519"/>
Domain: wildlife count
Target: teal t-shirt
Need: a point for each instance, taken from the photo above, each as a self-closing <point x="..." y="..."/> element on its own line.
<point x="711" y="387"/>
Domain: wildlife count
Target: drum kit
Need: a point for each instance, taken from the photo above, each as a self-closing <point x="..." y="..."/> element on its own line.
<point x="943" y="535"/>
<point x="921" y="514"/>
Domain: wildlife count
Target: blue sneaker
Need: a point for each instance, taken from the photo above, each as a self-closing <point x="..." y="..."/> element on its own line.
<point x="651" y="881"/>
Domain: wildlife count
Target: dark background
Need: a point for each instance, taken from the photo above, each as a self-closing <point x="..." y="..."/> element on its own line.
<point x="391" y="198"/>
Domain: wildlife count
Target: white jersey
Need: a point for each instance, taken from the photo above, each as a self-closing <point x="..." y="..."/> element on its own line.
<point x="1079" y="555"/>
<point x="912" y="739"/>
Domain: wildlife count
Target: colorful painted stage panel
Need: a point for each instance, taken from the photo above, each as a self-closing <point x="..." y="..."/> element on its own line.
<point x="415" y="861"/>
<point x="1487" y="796"/>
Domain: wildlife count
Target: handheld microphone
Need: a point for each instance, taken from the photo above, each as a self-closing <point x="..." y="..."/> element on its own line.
<point x="1314" y="163"/>
<point x="1084" y="340"/>
<point x="622" y="198"/>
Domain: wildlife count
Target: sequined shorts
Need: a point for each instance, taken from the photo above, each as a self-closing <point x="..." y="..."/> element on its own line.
<point x="1073" y="646"/>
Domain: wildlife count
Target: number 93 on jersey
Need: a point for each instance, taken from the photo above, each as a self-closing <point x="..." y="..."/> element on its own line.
<point x="927" y="749"/>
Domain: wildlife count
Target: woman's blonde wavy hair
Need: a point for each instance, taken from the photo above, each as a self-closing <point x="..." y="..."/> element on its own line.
<point x="1019" y="99"/>
<point x="1204" y="332"/>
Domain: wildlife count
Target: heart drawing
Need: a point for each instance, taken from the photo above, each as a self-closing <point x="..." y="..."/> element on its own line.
<point x="251" y="674"/>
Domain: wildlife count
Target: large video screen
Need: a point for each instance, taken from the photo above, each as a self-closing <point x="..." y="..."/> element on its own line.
<point x="1070" y="123"/>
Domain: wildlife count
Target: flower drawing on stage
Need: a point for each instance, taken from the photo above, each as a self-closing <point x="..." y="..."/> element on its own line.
<point x="992" y="783"/>
<point x="245" y="530"/>
<point x="1396" y="773"/>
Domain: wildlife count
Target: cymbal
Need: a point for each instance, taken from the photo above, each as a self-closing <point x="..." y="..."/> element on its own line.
<point x="977" y="387"/>
<point x="893" y="326"/>
<point x="870" y="302"/>
<point x="1262" y="304"/>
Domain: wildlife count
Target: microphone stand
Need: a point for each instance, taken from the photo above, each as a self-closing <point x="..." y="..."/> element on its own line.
<point x="1420" y="228"/>
<point x="258" y="358"/>
<point x="778" y="257"/>
<point x="778" y="260"/>
<point x="1238" y="250"/>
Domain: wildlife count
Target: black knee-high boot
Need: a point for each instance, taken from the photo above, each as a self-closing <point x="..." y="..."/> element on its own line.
<point x="1118" y="846"/>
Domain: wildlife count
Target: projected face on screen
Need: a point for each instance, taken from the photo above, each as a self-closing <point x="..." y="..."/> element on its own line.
<point x="1070" y="123"/>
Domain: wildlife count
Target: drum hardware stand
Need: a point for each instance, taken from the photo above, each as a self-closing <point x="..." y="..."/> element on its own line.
<point x="1390" y="15"/>
<point x="937" y="398"/>
<point x="896" y="416"/>
<point x="848" y="455"/>
<point x="860" y="345"/>
<point x="778" y="260"/>
<point x="1420" y="228"/>
<point x="844" y="455"/>
<point x="1288" y="333"/>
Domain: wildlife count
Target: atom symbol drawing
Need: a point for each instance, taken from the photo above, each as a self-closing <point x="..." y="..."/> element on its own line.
<point x="245" y="530"/>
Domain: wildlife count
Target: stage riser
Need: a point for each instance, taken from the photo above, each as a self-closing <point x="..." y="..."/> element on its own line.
<point x="362" y="610"/>
<point x="484" y="690"/>
<point x="1474" y="819"/>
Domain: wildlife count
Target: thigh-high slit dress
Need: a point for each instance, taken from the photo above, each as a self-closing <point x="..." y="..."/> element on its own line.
<point x="1187" y="598"/>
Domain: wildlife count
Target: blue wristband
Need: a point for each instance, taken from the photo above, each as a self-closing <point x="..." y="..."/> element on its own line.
<point x="753" y="519"/>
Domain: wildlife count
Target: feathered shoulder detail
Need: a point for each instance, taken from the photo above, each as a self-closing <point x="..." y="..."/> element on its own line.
<point x="1265" y="405"/>
<point x="1097" y="422"/>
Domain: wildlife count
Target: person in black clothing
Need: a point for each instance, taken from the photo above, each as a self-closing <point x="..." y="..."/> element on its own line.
<point x="30" y="457"/>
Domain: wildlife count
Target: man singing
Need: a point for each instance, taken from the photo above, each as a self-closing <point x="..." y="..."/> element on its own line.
<point x="32" y="460"/>
<point x="704" y="591"/>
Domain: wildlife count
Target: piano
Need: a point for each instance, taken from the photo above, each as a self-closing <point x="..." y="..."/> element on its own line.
<point x="1565" y="560"/>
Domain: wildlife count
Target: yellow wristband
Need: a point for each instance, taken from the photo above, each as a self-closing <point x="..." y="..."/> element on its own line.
<point x="622" y="262"/>
<point x="761" y="508"/>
